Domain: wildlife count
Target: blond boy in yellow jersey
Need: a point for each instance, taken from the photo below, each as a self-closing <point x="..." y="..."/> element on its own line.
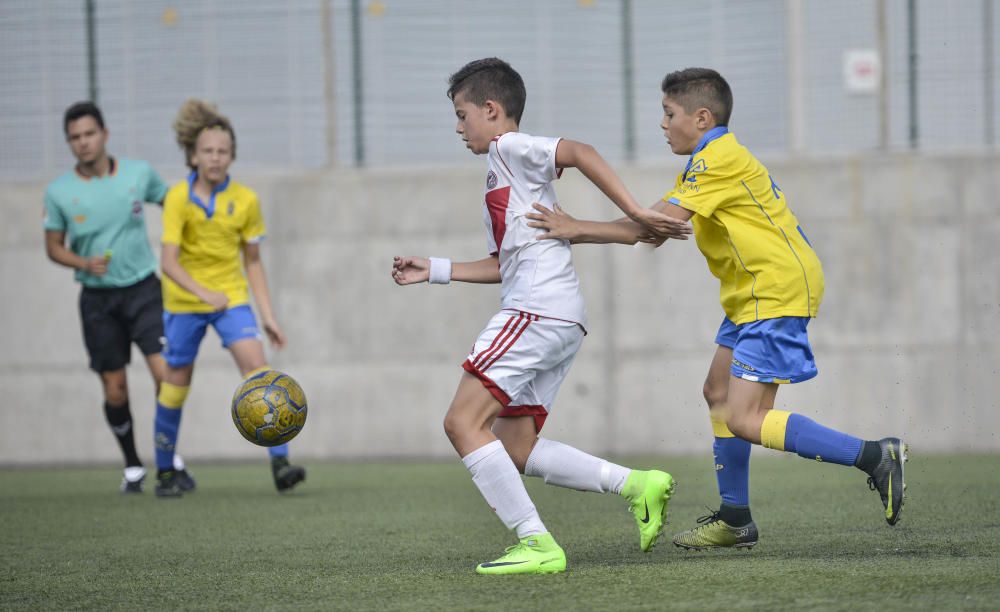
<point x="209" y="222"/>
<point x="771" y="285"/>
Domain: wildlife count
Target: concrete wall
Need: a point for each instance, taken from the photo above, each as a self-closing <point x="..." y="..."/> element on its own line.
<point x="906" y="342"/>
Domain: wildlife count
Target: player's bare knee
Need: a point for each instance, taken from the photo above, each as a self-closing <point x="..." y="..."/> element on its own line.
<point x="115" y="387"/>
<point x="455" y="427"/>
<point x="715" y="395"/>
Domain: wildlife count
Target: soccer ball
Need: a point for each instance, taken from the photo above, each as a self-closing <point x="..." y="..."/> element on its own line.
<point x="269" y="408"/>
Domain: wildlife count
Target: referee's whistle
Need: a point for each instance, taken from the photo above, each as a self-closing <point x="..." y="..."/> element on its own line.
<point x="107" y="254"/>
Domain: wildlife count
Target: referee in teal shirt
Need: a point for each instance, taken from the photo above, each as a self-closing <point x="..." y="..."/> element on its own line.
<point x="99" y="207"/>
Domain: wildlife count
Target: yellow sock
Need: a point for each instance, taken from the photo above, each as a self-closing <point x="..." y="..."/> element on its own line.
<point x="719" y="427"/>
<point x="772" y="430"/>
<point x="172" y="396"/>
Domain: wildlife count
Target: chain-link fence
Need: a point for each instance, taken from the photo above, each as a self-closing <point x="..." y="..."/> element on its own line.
<point x="313" y="83"/>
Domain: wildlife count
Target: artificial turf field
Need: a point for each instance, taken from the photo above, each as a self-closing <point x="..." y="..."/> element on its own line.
<point x="406" y="536"/>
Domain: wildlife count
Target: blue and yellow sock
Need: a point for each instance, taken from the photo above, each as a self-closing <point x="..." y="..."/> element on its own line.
<point x="732" y="465"/>
<point x="168" y="422"/>
<point x="794" y="433"/>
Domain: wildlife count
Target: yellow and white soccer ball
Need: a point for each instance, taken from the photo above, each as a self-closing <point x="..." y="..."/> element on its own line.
<point x="269" y="408"/>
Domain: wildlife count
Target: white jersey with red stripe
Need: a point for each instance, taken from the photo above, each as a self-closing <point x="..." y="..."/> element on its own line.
<point x="536" y="276"/>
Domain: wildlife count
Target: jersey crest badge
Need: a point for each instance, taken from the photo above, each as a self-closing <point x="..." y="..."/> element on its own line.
<point x="231" y="208"/>
<point x="696" y="167"/>
<point x="136" y="210"/>
<point x="491" y="180"/>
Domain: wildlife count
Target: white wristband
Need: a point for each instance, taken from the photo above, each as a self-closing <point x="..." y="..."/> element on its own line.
<point x="440" y="273"/>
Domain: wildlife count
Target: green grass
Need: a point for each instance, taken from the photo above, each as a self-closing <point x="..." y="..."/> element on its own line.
<point x="395" y="536"/>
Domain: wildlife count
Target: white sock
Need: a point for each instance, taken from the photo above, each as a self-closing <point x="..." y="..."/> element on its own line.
<point x="501" y="485"/>
<point x="565" y="466"/>
<point x="178" y="463"/>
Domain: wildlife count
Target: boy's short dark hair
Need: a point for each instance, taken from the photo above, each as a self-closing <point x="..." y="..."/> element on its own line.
<point x="82" y="109"/>
<point x="490" y="79"/>
<point x="695" y="88"/>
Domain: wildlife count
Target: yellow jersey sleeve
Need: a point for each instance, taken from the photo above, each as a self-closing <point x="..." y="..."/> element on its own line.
<point x="173" y="214"/>
<point x="705" y="187"/>
<point x="254" y="229"/>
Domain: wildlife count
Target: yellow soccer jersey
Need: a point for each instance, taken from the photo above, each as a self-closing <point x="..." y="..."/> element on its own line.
<point x="210" y="236"/>
<point x="751" y="239"/>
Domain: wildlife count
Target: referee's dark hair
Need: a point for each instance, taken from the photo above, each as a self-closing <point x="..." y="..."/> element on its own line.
<point x="82" y="109"/>
<point x="490" y="79"/>
<point x="695" y="88"/>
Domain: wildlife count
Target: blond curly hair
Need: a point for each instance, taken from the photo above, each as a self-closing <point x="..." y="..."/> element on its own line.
<point x="194" y="117"/>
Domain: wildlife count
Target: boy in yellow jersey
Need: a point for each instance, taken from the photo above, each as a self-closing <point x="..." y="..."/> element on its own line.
<point x="771" y="286"/>
<point x="209" y="220"/>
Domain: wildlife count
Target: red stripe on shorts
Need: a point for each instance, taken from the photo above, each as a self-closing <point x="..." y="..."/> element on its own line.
<point x="496" y="339"/>
<point x="489" y="362"/>
<point x="505" y="333"/>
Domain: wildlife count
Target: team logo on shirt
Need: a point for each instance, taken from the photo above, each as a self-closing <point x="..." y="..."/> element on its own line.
<point x="136" y="210"/>
<point x="696" y="167"/>
<point x="231" y="208"/>
<point x="491" y="180"/>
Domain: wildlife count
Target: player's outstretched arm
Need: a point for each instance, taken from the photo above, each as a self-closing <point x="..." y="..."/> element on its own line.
<point x="258" y="285"/>
<point x="560" y="225"/>
<point x="172" y="269"/>
<point x="672" y="210"/>
<point x="585" y="158"/>
<point x="410" y="270"/>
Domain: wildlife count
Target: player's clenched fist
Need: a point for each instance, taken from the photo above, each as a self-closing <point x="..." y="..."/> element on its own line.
<point x="410" y="270"/>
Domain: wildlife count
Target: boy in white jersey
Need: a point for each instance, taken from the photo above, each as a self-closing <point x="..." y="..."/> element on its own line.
<point x="522" y="356"/>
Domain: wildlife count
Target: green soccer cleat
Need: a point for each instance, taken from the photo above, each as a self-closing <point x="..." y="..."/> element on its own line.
<point x="536" y="554"/>
<point x="887" y="477"/>
<point x="716" y="533"/>
<point x="648" y="493"/>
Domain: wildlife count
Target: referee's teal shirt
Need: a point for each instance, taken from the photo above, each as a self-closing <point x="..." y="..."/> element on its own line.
<point x="101" y="214"/>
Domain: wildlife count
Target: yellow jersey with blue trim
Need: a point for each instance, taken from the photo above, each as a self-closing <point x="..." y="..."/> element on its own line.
<point x="211" y="236"/>
<point x="743" y="226"/>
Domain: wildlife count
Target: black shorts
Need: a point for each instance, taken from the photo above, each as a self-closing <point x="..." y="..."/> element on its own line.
<point x="115" y="318"/>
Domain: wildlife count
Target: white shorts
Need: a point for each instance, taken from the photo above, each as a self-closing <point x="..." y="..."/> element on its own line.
<point x="522" y="359"/>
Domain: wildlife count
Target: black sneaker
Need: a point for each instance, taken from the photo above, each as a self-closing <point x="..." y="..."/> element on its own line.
<point x="132" y="481"/>
<point x="168" y="485"/>
<point x="887" y="477"/>
<point x="285" y="474"/>
<point x="185" y="481"/>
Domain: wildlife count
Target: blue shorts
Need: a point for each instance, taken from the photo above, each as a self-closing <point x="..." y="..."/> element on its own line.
<point x="185" y="330"/>
<point x="769" y="351"/>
